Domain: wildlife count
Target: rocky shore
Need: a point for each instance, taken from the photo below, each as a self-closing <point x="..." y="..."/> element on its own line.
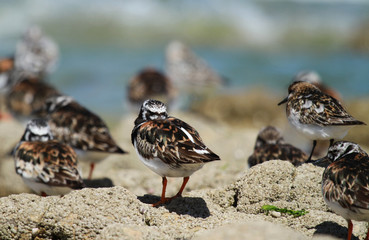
<point x="222" y="201"/>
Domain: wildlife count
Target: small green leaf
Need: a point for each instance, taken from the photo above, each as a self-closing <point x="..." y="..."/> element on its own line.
<point x="295" y="213"/>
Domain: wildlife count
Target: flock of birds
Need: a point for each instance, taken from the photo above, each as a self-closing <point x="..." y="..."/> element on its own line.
<point x="46" y="158"/>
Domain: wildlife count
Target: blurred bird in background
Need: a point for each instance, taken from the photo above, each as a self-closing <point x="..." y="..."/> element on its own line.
<point x="194" y="78"/>
<point x="150" y="83"/>
<point x="270" y="145"/>
<point x="23" y="76"/>
<point x="75" y="125"/>
<point x="36" y="54"/>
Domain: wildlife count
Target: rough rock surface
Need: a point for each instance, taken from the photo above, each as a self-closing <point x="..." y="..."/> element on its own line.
<point x="222" y="201"/>
<point x="116" y="213"/>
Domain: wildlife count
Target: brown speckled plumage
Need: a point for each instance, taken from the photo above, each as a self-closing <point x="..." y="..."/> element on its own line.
<point x="314" y="78"/>
<point x="47" y="166"/>
<point x="75" y="125"/>
<point x="316" y="115"/>
<point x="316" y="107"/>
<point x="345" y="182"/>
<point x="49" y="162"/>
<point x="168" y="146"/>
<point x="270" y="145"/>
<point x="165" y="140"/>
<point x="150" y="83"/>
<point x="346" y="179"/>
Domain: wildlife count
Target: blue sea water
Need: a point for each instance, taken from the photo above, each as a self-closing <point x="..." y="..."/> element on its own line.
<point x="251" y="43"/>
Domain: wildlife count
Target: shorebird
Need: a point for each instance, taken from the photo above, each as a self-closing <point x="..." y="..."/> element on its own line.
<point x="345" y="182"/>
<point x="187" y="70"/>
<point x="73" y="124"/>
<point x="317" y="115"/>
<point x="168" y="146"/>
<point x="270" y="145"/>
<point x="150" y="83"/>
<point x="36" y="54"/>
<point x="47" y="166"/>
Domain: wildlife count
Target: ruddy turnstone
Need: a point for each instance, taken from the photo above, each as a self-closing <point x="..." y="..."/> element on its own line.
<point x="270" y="145"/>
<point x="317" y="115"/>
<point x="168" y="146"/>
<point x="188" y="70"/>
<point x="36" y="53"/>
<point x="314" y="78"/>
<point x="345" y="182"/>
<point x="47" y="166"/>
<point x="73" y="124"/>
<point x="150" y="83"/>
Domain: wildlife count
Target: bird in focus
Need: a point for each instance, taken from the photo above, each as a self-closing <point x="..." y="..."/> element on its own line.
<point x="168" y="146"/>
<point x="345" y="182"/>
<point x="317" y="115"/>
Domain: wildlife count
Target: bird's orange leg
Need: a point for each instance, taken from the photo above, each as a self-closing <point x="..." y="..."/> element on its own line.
<point x="92" y="167"/>
<point x="163" y="199"/>
<point x="43" y="194"/>
<point x="179" y="194"/>
<point x="349" y="229"/>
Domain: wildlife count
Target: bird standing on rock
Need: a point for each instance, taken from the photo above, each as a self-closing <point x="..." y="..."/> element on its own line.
<point x="317" y="115"/>
<point x="345" y="182"/>
<point x="168" y="146"/>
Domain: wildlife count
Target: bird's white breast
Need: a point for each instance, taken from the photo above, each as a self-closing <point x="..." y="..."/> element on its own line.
<point x="316" y="132"/>
<point x="358" y="214"/>
<point x="42" y="187"/>
<point x="166" y="170"/>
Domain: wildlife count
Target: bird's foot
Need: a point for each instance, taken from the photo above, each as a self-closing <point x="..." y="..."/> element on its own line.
<point x="166" y="200"/>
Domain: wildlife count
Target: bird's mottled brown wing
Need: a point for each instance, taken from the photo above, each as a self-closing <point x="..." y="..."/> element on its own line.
<point x="323" y="110"/>
<point x="171" y="140"/>
<point x="77" y="126"/>
<point x="50" y="162"/>
<point x="346" y="181"/>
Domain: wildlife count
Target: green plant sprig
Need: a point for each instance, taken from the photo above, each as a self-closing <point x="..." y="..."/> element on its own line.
<point x="295" y="213"/>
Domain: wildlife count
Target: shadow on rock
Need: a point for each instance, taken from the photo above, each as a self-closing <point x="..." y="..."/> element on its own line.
<point x="98" y="183"/>
<point x="148" y="199"/>
<point x="195" y="207"/>
<point x="333" y="229"/>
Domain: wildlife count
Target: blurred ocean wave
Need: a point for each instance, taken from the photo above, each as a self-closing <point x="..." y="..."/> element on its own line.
<point x="125" y="22"/>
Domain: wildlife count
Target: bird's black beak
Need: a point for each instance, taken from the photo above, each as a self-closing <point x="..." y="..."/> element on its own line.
<point x="321" y="162"/>
<point x="283" y="101"/>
